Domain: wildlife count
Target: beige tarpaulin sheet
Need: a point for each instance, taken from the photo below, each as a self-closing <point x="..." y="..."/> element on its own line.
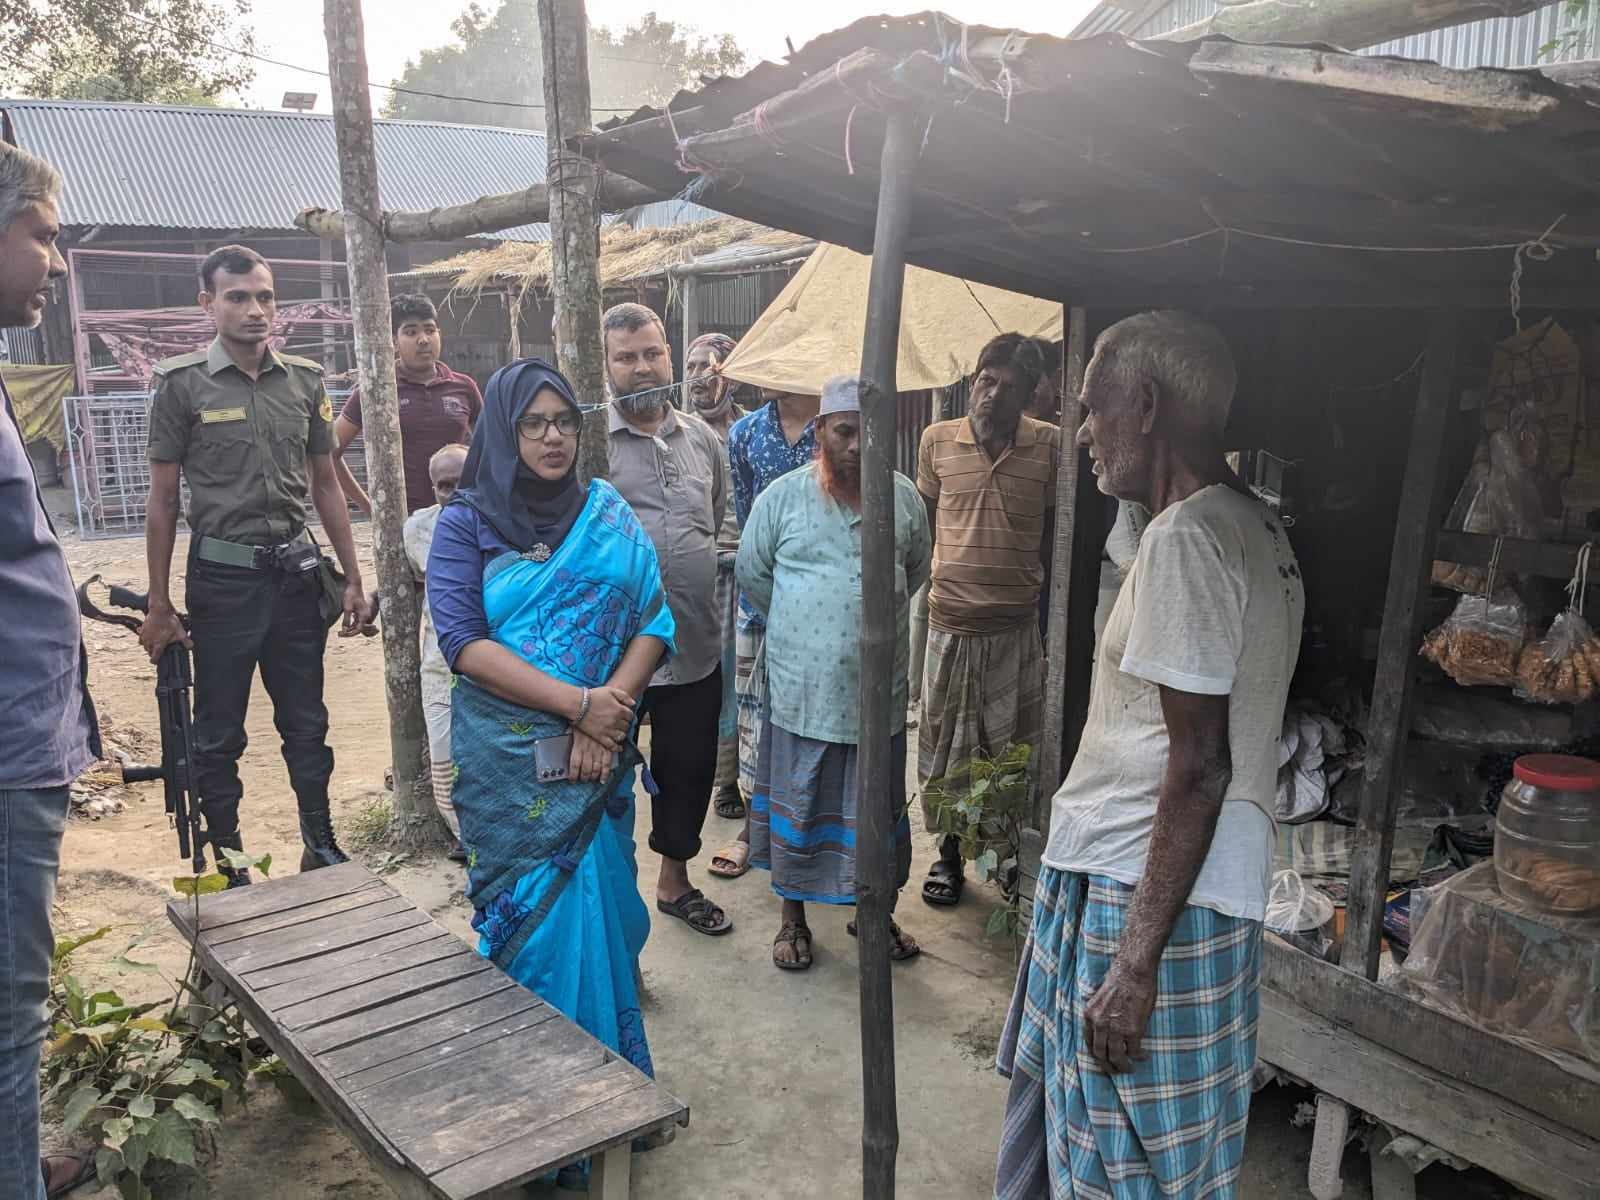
<point x="813" y="330"/>
<point x="37" y="393"/>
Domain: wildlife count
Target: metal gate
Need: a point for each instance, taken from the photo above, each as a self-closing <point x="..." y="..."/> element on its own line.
<point x="107" y="452"/>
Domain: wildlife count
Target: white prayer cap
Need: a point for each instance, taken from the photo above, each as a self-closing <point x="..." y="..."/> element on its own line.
<point x="841" y="394"/>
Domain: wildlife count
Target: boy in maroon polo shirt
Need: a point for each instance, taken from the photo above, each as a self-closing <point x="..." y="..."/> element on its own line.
<point x="438" y="406"/>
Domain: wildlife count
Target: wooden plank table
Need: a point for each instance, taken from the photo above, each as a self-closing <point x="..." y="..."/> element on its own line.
<point x="457" y="1082"/>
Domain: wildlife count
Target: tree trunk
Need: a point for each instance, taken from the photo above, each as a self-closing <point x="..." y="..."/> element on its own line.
<point x="416" y="819"/>
<point x="875" y="879"/>
<point x="574" y="222"/>
<point x="1351" y="24"/>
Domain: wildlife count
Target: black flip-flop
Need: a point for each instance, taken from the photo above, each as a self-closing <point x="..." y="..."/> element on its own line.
<point x="85" y="1172"/>
<point x="698" y="913"/>
<point x="942" y="888"/>
<point x="729" y="804"/>
<point x="790" y="935"/>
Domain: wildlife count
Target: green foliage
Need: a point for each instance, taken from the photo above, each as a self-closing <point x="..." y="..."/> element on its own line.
<point x="149" y="1082"/>
<point x="497" y="56"/>
<point x="1569" y="43"/>
<point x="984" y="803"/>
<point x="150" y="51"/>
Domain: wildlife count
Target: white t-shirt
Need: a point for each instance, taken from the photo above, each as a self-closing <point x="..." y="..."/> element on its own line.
<point x="1213" y="605"/>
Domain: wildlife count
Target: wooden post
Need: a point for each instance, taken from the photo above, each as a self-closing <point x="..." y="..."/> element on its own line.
<point x="875" y="881"/>
<point x="689" y="301"/>
<point x="1389" y="715"/>
<point x="1066" y="649"/>
<point x="574" y="245"/>
<point x="416" y="819"/>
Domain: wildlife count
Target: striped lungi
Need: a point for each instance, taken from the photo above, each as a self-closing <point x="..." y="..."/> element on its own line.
<point x="1172" y="1129"/>
<point x="804" y="814"/>
<point x="979" y="693"/>
<point x="750" y="688"/>
<point x="728" y="718"/>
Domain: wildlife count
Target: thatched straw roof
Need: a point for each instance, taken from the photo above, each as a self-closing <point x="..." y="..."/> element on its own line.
<point x="626" y="255"/>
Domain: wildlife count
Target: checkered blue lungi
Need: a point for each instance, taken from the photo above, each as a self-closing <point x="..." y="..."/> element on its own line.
<point x="1173" y="1129"/>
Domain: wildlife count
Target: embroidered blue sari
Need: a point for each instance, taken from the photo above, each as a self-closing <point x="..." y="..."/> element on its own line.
<point x="551" y="868"/>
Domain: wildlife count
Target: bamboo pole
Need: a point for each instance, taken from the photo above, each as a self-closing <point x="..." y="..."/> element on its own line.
<point x="486" y="214"/>
<point x="574" y="224"/>
<point x="1053" y="756"/>
<point x="875" y="886"/>
<point x="415" y="819"/>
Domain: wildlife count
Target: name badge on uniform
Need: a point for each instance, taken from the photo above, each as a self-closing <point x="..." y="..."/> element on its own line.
<point x="211" y="416"/>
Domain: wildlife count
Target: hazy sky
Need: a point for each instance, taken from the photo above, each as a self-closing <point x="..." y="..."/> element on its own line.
<point x="291" y="30"/>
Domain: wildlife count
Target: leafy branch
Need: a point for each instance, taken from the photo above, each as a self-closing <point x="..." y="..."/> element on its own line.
<point x="985" y="803"/>
<point x="149" y="1086"/>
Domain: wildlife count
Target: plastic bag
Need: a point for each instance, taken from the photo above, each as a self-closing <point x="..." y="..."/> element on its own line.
<point x="1505" y="968"/>
<point x="1299" y="914"/>
<point x="1479" y="643"/>
<point x="1562" y="666"/>
<point x="1503" y="493"/>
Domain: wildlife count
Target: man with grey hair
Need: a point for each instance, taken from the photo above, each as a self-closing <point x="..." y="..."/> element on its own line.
<point x="1139" y="977"/>
<point x="444" y="474"/>
<point x="49" y="735"/>
<point x="800" y="567"/>
<point x="670" y="468"/>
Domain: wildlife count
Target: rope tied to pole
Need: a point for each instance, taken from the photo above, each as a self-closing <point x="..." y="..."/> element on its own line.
<point x="1537" y="250"/>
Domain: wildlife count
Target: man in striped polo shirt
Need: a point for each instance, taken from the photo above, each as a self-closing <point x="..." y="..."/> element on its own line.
<point x="989" y="482"/>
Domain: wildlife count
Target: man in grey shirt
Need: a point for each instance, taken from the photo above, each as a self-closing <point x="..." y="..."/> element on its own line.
<point x="669" y="467"/>
<point x="48" y="735"/>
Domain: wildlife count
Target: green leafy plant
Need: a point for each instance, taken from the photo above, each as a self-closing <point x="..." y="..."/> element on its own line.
<point x="985" y="803"/>
<point x="148" y="1081"/>
<point x="1572" y="42"/>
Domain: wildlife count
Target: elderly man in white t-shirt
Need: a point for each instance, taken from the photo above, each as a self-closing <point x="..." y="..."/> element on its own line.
<point x="1131" y="1036"/>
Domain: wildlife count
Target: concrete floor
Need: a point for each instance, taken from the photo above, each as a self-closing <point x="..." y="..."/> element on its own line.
<point x="769" y="1061"/>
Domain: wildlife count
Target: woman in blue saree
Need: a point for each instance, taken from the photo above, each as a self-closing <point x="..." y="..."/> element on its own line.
<point x="549" y="609"/>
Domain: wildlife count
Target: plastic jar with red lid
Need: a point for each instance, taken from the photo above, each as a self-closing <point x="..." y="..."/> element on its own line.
<point x="1547" y="834"/>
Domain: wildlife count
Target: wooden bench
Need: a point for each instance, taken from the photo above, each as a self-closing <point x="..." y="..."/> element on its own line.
<point x="456" y="1080"/>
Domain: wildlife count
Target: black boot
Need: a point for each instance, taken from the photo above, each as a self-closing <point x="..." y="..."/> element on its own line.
<point x="316" y="831"/>
<point x="236" y="878"/>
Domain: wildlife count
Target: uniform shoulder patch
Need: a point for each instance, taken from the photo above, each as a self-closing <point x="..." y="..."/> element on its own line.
<point x="325" y="409"/>
<point x="167" y="365"/>
<point x="295" y="360"/>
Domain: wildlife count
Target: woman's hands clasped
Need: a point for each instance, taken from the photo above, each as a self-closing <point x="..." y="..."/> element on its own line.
<point x="590" y="761"/>
<point x="609" y="717"/>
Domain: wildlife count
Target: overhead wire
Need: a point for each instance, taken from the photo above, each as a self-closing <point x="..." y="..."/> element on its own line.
<point x="388" y="87"/>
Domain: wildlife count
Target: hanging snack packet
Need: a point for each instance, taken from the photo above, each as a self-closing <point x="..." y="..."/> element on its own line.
<point x="1479" y="643"/>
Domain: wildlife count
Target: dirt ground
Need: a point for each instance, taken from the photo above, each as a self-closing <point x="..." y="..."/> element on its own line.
<point x="767" y="1061"/>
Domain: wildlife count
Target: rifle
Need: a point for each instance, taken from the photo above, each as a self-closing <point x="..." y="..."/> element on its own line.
<point x="174" y="679"/>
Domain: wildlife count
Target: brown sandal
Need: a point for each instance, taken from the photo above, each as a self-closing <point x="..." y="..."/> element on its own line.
<point x="791" y="935"/>
<point x="904" y="947"/>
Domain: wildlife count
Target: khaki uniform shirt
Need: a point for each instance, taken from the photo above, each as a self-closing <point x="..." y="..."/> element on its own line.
<point x="676" y="483"/>
<point x="242" y="442"/>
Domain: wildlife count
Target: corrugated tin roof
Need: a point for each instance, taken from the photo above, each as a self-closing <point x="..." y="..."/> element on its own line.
<point x="1496" y="42"/>
<point x="161" y="166"/>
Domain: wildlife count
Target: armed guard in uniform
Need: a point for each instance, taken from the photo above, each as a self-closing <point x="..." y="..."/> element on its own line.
<point x="251" y="431"/>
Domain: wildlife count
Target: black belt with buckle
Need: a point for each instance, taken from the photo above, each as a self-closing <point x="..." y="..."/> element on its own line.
<point x="293" y="558"/>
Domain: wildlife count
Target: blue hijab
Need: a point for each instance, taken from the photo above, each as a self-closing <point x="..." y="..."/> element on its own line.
<point x="524" y="509"/>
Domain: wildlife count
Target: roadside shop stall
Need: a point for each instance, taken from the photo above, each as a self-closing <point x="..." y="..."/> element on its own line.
<point x="1403" y="257"/>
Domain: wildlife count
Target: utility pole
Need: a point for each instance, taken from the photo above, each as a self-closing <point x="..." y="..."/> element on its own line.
<point x="574" y="222"/>
<point x="416" y="820"/>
